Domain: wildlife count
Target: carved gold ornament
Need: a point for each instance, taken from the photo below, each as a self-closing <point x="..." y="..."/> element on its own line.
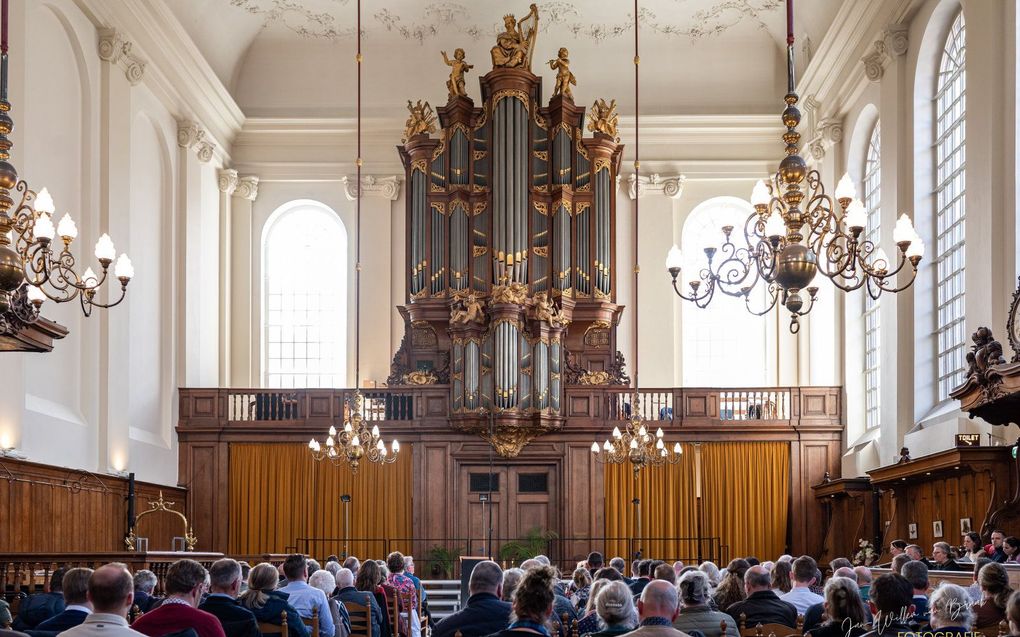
<point x="420" y="378"/>
<point x="458" y="67"/>
<point x="603" y="118"/>
<point x="159" y="505"/>
<point x="421" y="121"/>
<point x="564" y="78"/>
<point x="594" y="378"/>
<point x="516" y="44"/>
<point x="515" y="294"/>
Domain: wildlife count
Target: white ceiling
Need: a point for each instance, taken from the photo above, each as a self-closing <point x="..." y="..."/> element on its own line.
<point x="289" y="58"/>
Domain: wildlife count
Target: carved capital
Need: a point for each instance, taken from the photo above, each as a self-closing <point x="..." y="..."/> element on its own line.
<point x="113" y="48"/>
<point x="371" y="186"/>
<point x="204" y="150"/>
<point x="897" y="40"/>
<point x="655" y="184"/>
<point x="191" y="135"/>
<point x="874" y="61"/>
<point x="247" y="187"/>
<point x="227" y="181"/>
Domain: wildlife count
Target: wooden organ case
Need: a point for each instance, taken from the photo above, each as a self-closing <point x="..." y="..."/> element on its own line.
<point x="511" y="253"/>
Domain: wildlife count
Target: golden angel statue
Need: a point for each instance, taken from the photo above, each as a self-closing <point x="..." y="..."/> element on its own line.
<point x="421" y="120"/>
<point x="467" y="309"/>
<point x="564" y="78"/>
<point x="603" y="118"/>
<point x="515" y="45"/>
<point x="458" y="67"/>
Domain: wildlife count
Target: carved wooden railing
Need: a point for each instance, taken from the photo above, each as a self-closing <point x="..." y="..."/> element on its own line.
<point x="584" y="406"/>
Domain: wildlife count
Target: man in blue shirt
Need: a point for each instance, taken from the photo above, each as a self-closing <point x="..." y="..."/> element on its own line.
<point x="304" y="597"/>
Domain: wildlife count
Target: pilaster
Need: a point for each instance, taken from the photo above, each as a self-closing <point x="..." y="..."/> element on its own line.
<point x="226" y="181"/>
<point x="244" y="356"/>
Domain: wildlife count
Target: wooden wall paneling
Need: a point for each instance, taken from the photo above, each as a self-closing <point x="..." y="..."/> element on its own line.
<point x="810" y="458"/>
<point x="847" y="515"/>
<point x="583" y="517"/>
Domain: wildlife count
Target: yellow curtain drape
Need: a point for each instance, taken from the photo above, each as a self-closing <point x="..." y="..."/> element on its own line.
<point x="278" y="493"/>
<point x="745" y="490"/>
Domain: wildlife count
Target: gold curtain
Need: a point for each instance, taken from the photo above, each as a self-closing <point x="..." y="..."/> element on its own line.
<point x="278" y="494"/>
<point x="745" y="490"/>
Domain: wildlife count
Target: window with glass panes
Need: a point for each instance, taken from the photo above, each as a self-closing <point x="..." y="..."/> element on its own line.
<point x="872" y="202"/>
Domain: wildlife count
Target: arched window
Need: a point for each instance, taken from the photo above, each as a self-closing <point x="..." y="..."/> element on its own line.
<point x="872" y="201"/>
<point x="723" y="345"/>
<point x="304" y="309"/>
<point x="950" y="208"/>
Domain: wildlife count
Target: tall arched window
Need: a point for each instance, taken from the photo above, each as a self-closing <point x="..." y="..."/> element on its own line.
<point x="723" y="345"/>
<point x="950" y="208"/>
<point x="304" y="308"/>
<point x="872" y="201"/>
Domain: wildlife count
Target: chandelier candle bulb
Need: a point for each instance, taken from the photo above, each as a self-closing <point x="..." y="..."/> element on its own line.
<point x="880" y="261"/>
<point x="375" y="431"/>
<point x="659" y="444"/>
<point x="89" y="279"/>
<point x="44" y="202"/>
<point x="677" y="448"/>
<point x="760" y="196"/>
<point x="594" y="447"/>
<point x="674" y="260"/>
<point x="332" y="431"/>
<point x="105" y="250"/>
<point x="396" y="446"/>
<point x="67" y="228"/>
<point x="124" y="269"/>
<point x="659" y="433"/>
<point x="775" y="229"/>
<point x="35" y="295"/>
<point x="43" y="229"/>
<point x="633" y="443"/>
<point x="616" y="432"/>
<point x="845" y="190"/>
<point x="915" y="251"/>
<point x="903" y="232"/>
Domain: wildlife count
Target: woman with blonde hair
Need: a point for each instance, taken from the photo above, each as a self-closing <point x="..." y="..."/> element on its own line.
<point x="582" y="588"/>
<point x="588" y="622"/>
<point x="731" y="588"/>
<point x="780" y="577"/>
<point x="844" y="608"/>
<point x="268" y="604"/>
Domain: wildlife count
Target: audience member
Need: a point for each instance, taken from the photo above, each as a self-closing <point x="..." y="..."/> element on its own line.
<point x="762" y="606"/>
<point x="145" y="584"/>
<point x="185" y="584"/>
<point x="805" y="576"/>
<point x="268" y="604"/>
<point x="511" y="579"/>
<point x="711" y="571"/>
<point x="615" y="608"/>
<point x="607" y="573"/>
<point x="595" y="561"/>
<point x="916" y="574"/>
<point x="582" y="588"/>
<point x="785" y="558"/>
<point x="352" y="564"/>
<point x="995" y="591"/>
<point x="6" y="619"/>
<point x="111" y="595"/>
<point x="333" y="567"/>
<point x="752" y="560"/>
<point x="304" y="598"/>
<point x="838" y="563"/>
<point x="942" y="553"/>
<point x="974" y="590"/>
<point x="731" y="588"/>
<point x="75" y="587"/>
<point x="844" y="609"/>
<point x="695" y="613"/>
<point x="950" y="610"/>
<point x="914" y="551"/>
<point x="1011" y="547"/>
<point x="898" y="562"/>
<point x="224" y="587"/>
<point x="657" y="609"/>
<point x="346" y="593"/>
<point x="561" y="605"/>
<point x="644" y="575"/>
<point x="406" y="592"/>
<point x="588" y="620"/>
<point x="678" y="568"/>
<point x="972" y="547"/>
<point x="768" y="565"/>
<point x="1013" y="613"/>
<point x="998" y="554"/>
<point x="369" y="580"/>
<point x="666" y="573"/>
<point x="620" y="565"/>
<point x="543" y="560"/>
<point x="780" y="577"/>
<point x="245" y="570"/>
<point x="897" y="547"/>
<point x="814" y="615"/>
<point x="532" y="603"/>
<point x="41" y="606"/>
<point x="890" y="605"/>
<point x="326" y="582"/>
<point x="863" y="577"/>
<point x="485" y="612"/>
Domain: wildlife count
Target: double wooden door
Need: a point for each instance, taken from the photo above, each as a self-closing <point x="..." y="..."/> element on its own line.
<point x="514" y="499"/>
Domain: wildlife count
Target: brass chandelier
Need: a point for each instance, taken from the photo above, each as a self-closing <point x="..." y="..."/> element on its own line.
<point x="33" y="267"/>
<point x="355" y="443"/>
<point x="796" y="232"/>
<point x="635" y="444"/>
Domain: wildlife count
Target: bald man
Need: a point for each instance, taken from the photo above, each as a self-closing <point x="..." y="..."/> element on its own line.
<point x="111" y="592"/>
<point x="762" y="606"/>
<point x="658" y="607"/>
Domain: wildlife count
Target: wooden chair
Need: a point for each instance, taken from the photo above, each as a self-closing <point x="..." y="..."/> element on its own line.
<point x="994" y="630"/>
<point x="134" y="613"/>
<point x="770" y="630"/>
<point x="361" y="617"/>
<point x="312" y="623"/>
<point x="275" y="629"/>
<point x="722" y="628"/>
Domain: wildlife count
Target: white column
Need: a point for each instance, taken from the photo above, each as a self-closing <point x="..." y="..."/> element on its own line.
<point x="244" y="337"/>
<point x="227" y="180"/>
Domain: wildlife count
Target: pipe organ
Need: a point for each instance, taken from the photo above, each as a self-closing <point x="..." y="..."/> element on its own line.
<point x="511" y="219"/>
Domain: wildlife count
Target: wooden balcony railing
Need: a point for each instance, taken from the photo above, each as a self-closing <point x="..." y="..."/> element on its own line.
<point x="584" y="406"/>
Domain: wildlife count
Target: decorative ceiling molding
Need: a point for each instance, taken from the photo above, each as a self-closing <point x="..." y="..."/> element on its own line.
<point x="653" y="184"/>
<point x="372" y="186"/>
<point x="227" y="180"/>
<point x="113" y="48"/>
<point x="192" y="136"/>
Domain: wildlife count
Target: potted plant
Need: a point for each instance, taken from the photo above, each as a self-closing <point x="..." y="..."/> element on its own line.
<point x="532" y="544"/>
<point x="443" y="560"/>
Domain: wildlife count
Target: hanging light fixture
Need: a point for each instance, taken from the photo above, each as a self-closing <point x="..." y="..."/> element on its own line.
<point x="795" y="232"/>
<point x="356" y="442"/>
<point x="635" y="444"/>
<point x="33" y="266"/>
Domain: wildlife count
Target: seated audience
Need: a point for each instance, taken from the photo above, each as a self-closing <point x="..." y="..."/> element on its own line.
<point x="41" y="606"/>
<point x="224" y="587"/>
<point x="666" y="573"/>
<point x="620" y="565"/>
<point x="77" y="607"/>
<point x="995" y="592"/>
<point x="352" y="564"/>
<point x="972" y="547"/>
<point x="658" y="607"/>
<point x="606" y="573"/>
<point x="532" y="603"/>
<point x="916" y="574"/>
<point x="844" y="609"/>
<point x="5" y="614"/>
<point x="304" y="598"/>
<point x="615" y="608"/>
<point x="678" y="568"/>
<point x="780" y="577"/>
<point x="111" y="594"/>
<point x="333" y="567"/>
<point x="731" y="588"/>
<point x="950" y="610"/>
<point x="899" y="561"/>
<point x="405" y="590"/>
<point x="595" y="561"/>
<point x="711" y="571"/>
<point x="184" y="583"/>
<point x="588" y="621"/>
<point x="897" y="547"/>
<point x="1011" y="547"/>
<point x="269" y="604"/>
<point x="804" y="577"/>
<point x="1013" y="613"/>
<point x="644" y="575"/>
<point x="762" y="606"/>
<point x="326" y="582"/>
<point x="974" y="590"/>
<point x="695" y="613"/>
<point x="582" y="588"/>
<point x="145" y="583"/>
<point x="511" y="580"/>
<point x="347" y="593"/>
<point x="813" y="616"/>
<point x="863" y="577"/>
<point x="914" y="551"/>
<point x="370" y="580"/>
<point x="485" y="612"/>
<point x="890" y="602"/>
<point x="998" y="554"/>
<point x="942" y="553"/>
<point x="838" y="563"/>
<point x="561" y="605"/>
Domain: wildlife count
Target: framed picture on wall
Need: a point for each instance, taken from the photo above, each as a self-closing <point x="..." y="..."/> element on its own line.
<point x="912" y="531"/>
<point x="965" y="526"/>
<point x="936" y="528"/>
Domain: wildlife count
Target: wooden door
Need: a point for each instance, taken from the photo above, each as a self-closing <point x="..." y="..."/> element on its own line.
<point x="521" y="501"/>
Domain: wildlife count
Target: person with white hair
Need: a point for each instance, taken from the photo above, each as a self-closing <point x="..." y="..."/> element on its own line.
<point x="614" y="605"/>
<point x="695" y="612"/>
<point x="711" y="571"/>
<point x="950" y="609"/>
<point x="326" y="582"/>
